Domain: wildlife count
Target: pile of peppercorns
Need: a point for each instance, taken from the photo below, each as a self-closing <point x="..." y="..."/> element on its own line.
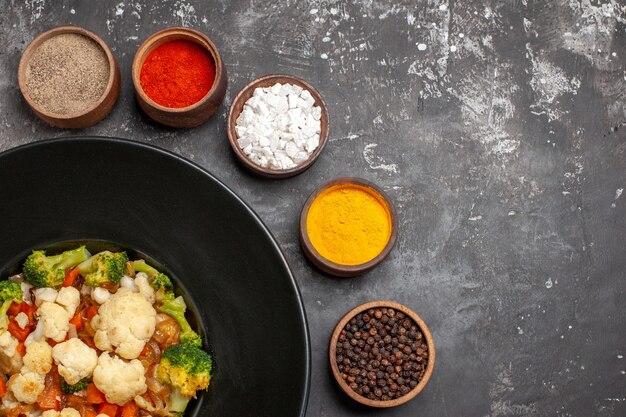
<point x="381" y="354"/>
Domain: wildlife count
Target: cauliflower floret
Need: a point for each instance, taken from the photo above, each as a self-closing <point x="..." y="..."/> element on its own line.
<point x="69" y="298"/>
<point x="128" y="282"/>
<point x="45" y="294"/>
<point x="119" y="381"/>
<point x="36" y="335"/>
<point x="27" y="386"/>
<point x="100" y="295"/>
<point x="25" y="286"/>
<point x="86" y="290"/>
<point x="146" y="405"/>
<point x="38" y="357"/>
<point x="8" y="402"/>
<point x="69" y="412"/>
<point x="56" y="321"/>
<point x="144" y="287"/>
<point x="66" y="412"/>
<point x="76" y="360"/>
<point x="10" y="359"/>
<point x="19" y="278"/>
<point x="8" y="343"/>
<point x="124" y="323"/>
<point x="22" y="319"/>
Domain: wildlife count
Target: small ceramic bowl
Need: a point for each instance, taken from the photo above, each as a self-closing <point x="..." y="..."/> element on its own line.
<point x="89" y="116"/>
<point x="329" y="266"/>
<point x="420" y="324"/>
<point x="237" y="106"/>
<point x="192" y="115"/>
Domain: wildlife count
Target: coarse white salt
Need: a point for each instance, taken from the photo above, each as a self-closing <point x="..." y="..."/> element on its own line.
<point x="279" y="126"/>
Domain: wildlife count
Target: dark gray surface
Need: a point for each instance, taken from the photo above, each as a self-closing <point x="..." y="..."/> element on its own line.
<point x="505" y="158"/>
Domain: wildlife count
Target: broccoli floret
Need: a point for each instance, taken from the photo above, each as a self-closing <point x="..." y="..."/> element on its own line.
<point x="10" y="291"/>
<point x="49" y="271"/>
<point x="157" y="279"/>
<point x="103" y="267"/>
<point x="176" y="308"/>
<point x="161" y="281"/>
<point x="186" y="369"/>
<point x="71" y="389"/>
<point x="168" y="296"/>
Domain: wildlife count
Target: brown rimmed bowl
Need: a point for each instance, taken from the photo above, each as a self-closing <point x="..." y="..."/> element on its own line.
<point x="333" y="353"/>
<point x="237" y="106"/>
<point x="89" y="116"/>
<point x="200" y="111"/>
<point x="329" y="266"/>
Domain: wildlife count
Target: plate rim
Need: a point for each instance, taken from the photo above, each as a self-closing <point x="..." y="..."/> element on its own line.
<point x="192" y="165"/>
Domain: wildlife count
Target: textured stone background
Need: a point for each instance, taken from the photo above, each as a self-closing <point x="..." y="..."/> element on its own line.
<point x="497" y="127"/>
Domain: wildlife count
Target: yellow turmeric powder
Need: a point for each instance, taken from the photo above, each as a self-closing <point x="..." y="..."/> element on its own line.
<point x="349" y="224"/>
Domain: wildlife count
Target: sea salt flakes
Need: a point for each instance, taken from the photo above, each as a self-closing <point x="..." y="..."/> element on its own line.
<point x="279" y="126"/>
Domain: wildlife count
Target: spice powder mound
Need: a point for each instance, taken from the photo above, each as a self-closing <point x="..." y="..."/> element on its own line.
<point x="67" y="74"/>
<point x="177" y="74"/>
<point x="349" y="224"/>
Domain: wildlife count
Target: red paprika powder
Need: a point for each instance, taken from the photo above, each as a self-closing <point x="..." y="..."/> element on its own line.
<point x="177" y="74"/>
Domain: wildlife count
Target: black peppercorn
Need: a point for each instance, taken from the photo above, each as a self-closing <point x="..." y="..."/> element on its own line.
<point x="381" y="354"/>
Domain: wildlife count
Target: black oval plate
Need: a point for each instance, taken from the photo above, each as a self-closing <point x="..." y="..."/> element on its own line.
<point x="156" y="203"/>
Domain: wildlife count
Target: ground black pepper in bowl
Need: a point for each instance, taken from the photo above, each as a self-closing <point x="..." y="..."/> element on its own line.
<point x="67" y="74"/>
<point x="69" y="77"/>
<point x="382" y="354"/>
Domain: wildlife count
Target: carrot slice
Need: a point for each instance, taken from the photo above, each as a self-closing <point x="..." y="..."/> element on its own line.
<point x="17" y="332"/>
<point x="3" y="387"/>
<point x="108" y="409"/>
<point x="144" y="351"/>
<point x="77" y="321"/>
<point x="49" y="397"/>
<point x="146" y="396"/>
<point x="81" y="405"/>
<point x="94" y="395"/>
<point x="130" y="409"/>
<point x="70" y="277"/>
<point x="14" y="309"/>
<point x="29" y="310"/>
<point x="91" y="312"/>
<point x="21" y="349"/>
